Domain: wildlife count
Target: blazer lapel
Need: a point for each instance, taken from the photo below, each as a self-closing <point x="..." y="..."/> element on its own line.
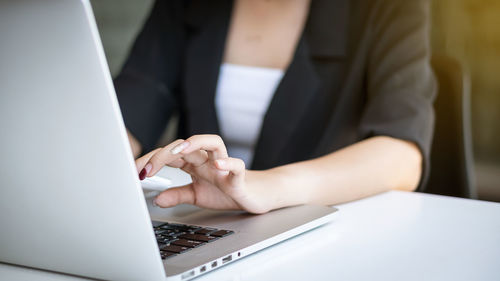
<point x="289" y="103"/>
<point x="324" y="38"/>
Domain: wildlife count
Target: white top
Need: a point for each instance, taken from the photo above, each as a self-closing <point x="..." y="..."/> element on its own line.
<point x="242" y="98"/>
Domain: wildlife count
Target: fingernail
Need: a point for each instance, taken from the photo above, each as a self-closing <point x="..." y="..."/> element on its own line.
<point x="223" y="173"/>
<point x="155" y="202"/>
<point x="148" y="168"/>
<point x="142" y="174"/>
<point x="180" y="147"/>
<point x="145" y="171"/>
<point x="220" y="163"/>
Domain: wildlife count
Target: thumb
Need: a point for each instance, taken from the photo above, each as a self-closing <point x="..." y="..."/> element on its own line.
<point x="175" y="196"/>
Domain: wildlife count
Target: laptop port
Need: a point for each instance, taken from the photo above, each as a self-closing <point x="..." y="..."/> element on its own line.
<point x="187" y="275"/>
<point x="203" y="269"/>
<point x="214" y="264"/>
<point x="227" y="259"/>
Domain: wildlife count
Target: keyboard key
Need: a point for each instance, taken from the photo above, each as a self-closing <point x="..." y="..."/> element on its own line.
<point x="205" y="231"/>
<point x="168" y="236"/>
<point x="172" y="230"/>
<point x="175" y="249"/>
<point x="222" y="233"/>
<point x="162" y="236"/>
<point x="165" y="240"/>
<point x="198" y="237"/>
<point x="169" y="227"/>
<point x="174" y="233"/>
<point x="174" y="227"/>
<point x="165" y="254"/>
<point x="188" y="243"/>
<point x="160" y="231"/>
<point x="174" y="238"/>
<point x="184" y="227"/>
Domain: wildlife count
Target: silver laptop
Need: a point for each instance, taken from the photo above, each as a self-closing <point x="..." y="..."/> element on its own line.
<point x="70" y="197"/>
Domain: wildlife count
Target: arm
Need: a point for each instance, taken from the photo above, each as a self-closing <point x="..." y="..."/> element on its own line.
<point x="368" y="167"/>
<point x="400" y="83"/>
<point x="396" y="123"/>
<point x="220" y="182"/>
<point x="146" y="85"/>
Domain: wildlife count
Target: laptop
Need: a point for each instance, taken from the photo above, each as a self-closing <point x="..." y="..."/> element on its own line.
<point x="70" y="197"/>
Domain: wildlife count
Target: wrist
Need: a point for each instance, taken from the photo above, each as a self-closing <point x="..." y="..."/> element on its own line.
<point x="276" y="188"/>
<point x="291" y="190"/>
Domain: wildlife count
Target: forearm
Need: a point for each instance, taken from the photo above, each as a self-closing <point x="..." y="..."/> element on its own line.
<point x="366" y="168"/>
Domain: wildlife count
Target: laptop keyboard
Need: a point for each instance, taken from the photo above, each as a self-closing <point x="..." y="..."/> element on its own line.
<point x="174" y="239"/>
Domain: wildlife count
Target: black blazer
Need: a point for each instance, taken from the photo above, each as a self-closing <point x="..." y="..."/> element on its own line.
<point x="361" y="69"/>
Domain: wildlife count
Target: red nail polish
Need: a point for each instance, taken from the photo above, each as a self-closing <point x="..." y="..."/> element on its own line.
<point x="142" y="174"/>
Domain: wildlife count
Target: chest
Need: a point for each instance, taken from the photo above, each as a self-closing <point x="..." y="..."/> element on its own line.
<point x="265" y="33"/>
<point x="242" y="98"/>
<point x="309" y="96"/>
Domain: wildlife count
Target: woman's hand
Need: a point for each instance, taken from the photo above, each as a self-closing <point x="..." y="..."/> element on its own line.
<point x="219" y="182"/>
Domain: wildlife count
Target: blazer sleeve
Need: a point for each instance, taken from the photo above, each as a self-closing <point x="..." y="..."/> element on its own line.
<point x="400" y="82"/>
<point x="146" y="85"/>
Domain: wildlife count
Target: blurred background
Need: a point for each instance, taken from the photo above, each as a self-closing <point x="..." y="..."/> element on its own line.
<point x="468" y="30"/>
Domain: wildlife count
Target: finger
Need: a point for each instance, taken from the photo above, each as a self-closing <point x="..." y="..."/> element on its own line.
<point x="196" y="158"/>
<point x="213" y="144"/>
<point x="206" y="172"/>
<point x="235" y="167"/>
<point x="197" y="163"/>
<point x="179" y="163"/>
<point x="143" y="160"/>
<point x="163" y="157"/>
<point x="175" y="196"/>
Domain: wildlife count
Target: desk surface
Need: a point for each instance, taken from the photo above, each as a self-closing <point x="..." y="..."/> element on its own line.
<point x="391" y="236"/>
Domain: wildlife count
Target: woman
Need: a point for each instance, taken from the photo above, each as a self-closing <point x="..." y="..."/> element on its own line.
<point x="325" y="101"/>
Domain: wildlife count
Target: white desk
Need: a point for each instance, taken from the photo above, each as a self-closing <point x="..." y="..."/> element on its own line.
<point x="392" y="236"/>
